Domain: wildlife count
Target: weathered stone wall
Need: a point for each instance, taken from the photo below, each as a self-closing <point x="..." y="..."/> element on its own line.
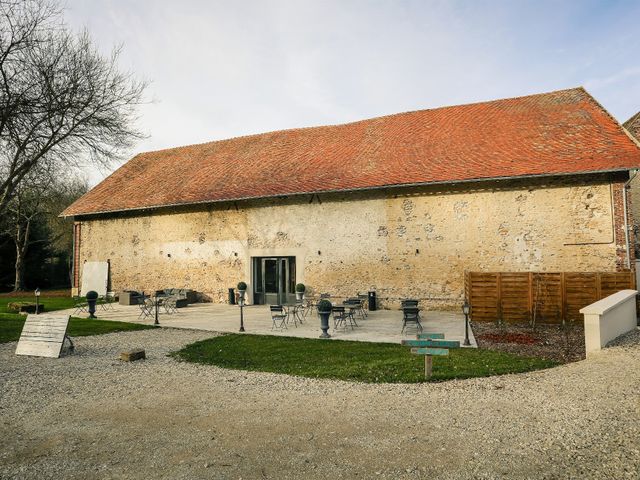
<point x="634" y="199"/>
<point x="404" y="243"/>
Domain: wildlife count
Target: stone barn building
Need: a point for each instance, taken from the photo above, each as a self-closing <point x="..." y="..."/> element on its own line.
<point x="633" y="127"/>
<point x="403" y="204"/>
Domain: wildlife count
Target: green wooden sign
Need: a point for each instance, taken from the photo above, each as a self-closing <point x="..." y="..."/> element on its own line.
<point x="430" y="351"/>
<point x="430" y="335"/>
<point x="432" y="343"/>
<point x="429" y="345"/>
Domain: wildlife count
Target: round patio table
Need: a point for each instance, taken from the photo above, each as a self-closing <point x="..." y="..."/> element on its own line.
<point x="293" y="310"/>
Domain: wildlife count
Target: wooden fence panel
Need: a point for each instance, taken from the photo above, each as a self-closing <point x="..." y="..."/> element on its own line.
<point x="616" y="281"/>
<point x="581" y="289"/>
<point x="514" y="297"/>
<point x="543" y="297"/>
<point x="483" y="295"/>
<point x="547" y="297"/>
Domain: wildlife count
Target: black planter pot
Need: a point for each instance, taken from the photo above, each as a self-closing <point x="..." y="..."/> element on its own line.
<point x="324" y="324"/>
<point x="92" y="298"/>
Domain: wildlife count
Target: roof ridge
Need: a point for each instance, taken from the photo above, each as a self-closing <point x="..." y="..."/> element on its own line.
<point x="379" y="117"/>
<point x="632" y="120"/>
<point x="615" y="120"/>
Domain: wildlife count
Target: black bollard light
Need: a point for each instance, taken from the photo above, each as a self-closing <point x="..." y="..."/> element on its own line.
<point x="466" y="309"/>
<point x="92" y="298"/>
<point x="37" y="292"/>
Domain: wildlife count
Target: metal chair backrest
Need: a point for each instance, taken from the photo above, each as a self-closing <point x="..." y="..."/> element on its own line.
<point x="276" y="308"/>
<point x="410" y="312"/>
<point x="409" y="303"/>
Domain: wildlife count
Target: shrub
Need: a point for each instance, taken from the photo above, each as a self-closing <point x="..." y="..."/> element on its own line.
<point x="14" y="307"/>
<point x="242" y="286"/>
<point x="300" y="288"/>
<point x="324" y="305"/>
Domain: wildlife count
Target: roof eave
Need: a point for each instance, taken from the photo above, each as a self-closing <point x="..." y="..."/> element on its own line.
<point x="363" y="189"/>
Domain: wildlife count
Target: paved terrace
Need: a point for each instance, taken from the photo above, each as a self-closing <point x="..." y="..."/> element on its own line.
<point x="379" y="326"/>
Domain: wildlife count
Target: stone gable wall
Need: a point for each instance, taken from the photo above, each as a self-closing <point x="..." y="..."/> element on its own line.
<point x="413" y="243"/>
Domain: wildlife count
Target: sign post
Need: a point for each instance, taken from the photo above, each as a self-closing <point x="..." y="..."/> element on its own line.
<point x="430" y="344"/>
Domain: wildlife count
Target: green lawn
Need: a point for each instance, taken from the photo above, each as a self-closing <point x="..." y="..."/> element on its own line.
<point x="11" y="326"/>
<point x="50" y="303"/>
<point x="344" y="360"/>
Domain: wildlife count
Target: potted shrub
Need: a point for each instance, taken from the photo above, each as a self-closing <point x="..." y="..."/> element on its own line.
<point x="300" y="289"/>
<point x="324" y="310"/>
<point x="242" y="288"/>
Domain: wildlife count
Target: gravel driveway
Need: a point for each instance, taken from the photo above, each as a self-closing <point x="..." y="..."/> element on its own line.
<point x="91" y="416"/>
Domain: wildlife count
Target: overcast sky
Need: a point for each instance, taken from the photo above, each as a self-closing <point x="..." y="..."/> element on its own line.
<point x="221" y="69"/>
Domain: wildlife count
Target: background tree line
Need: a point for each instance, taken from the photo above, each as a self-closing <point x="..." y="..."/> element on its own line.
<point x="63" y="105"/>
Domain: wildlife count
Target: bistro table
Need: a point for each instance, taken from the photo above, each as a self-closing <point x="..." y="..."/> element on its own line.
<point x="294" y="310"/>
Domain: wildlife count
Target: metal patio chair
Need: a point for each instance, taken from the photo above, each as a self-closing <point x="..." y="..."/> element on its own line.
<point x="278" y="317"/>
<point x="170" y="304"/>
<point x="411" y="315"/>
<point x="147" y="307"/>
<point x="80" y="305"/>
<point x="343" y="317"/>
<point x="310" y="304"/>
<point x="364" y="299"/>
<point x="106" y="302"/>
<point x="410" y="303"/>
<point x="358" y="304"/>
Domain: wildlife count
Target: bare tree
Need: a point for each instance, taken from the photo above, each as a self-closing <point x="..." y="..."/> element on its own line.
<point x="37" y="203"/>
<point x="62" y="193"/>
<point x="21" y="214"/>
<point x="61" y="101"/>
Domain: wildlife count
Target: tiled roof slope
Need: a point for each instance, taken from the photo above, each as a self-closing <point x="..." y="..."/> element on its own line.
<point x="562" y="132"/>
<point x="633" y="126"/>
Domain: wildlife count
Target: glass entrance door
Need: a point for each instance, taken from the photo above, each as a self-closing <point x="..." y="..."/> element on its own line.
<point x="274" y="280"/>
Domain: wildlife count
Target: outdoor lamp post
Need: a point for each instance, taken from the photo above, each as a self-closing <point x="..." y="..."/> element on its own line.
<point x="155" y="306"/>
<point x="242" y="288"/>
<point x="241" y="302"/>
<point x="466" y="309"/>
<point x="37" y="292"/>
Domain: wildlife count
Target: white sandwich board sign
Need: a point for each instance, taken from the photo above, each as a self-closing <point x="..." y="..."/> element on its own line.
<point x="95" y="276"/>
<point x="43" y="335"/>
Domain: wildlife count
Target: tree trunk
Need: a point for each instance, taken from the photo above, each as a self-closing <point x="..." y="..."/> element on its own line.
<point x="22" y="243"/>
<point x="19" y="281"/>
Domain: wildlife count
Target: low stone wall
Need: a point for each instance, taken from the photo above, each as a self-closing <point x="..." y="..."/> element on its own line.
<point x="609" y="318"/>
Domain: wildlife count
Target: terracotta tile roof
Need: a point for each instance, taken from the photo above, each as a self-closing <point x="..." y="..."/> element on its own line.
<point x="563" y="132"/>
<point x="633" y="126"/>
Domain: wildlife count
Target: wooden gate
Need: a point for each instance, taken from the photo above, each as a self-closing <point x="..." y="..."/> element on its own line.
<point x="544" y="297"/>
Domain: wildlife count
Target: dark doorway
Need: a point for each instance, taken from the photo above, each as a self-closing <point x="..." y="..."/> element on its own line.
<point x="274" y="280"/>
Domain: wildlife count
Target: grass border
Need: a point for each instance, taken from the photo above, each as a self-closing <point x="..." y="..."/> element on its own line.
<point x="350" y="360"/>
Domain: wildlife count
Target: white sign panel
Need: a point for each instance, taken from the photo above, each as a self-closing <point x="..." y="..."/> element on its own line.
<point x="94" y="277"/>
<point x="43" y="335"/>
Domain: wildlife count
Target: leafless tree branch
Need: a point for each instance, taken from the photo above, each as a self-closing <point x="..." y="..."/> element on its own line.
<point x="60" y="99"/>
